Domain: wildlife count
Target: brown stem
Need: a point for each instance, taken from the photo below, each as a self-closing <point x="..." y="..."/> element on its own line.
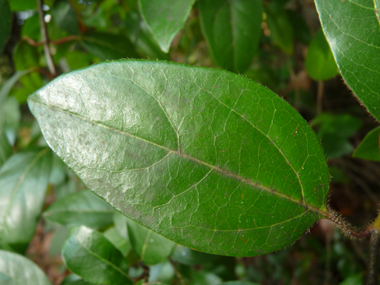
<point x="319" y="96"/>
<point x="373" y="265"/>
<point x="54" y="42"/>
<point x="45" y="38"/>
<point x="179" y="275"/>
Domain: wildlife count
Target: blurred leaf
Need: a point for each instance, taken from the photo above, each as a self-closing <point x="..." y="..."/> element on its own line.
<point x="76" y="59"/>
<point x="64" y="16"/>
<point x="81" y="208"/>
<point x="58" y="171"/>
<point x="239" y="283"/>
<point x="12" y="114"/>
<point x="74" y="279"/>
<point x="232" y="30"/>
<point x="281" y="29"/>
<point x="22" y="5"/>
<point x="151" y="247"/>
<point x="17" y="269"/>
<point x="165" y="18"/>
<point x="121" y="222"/>
<point x="65" y="189"/>
<point x="369" y="148"/>
<point x="162" y="272"/>
<point x="93" y="257"/>
<point x="117" y="240"/>
<point x="161" y="164"/>
<point x="5" y="23"/>
<point x="23" y="183"/>
<point x="187" y="256"/>
<point x="352" y="30"/>
<point x="354" y="279"/>
<point x="4" y="91"/>
<point x="319" y="62"/>
<point x="334" y="132"/>
<point x="5" y="148"/>
<point x="32" y="28"/>
<point x="141" y="37"/>
<point x="300" y="28"/>
<point x="60" y="235"/>
<point x="108" y="46"/>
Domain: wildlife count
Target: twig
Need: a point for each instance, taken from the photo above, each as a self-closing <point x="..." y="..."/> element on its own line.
<point x="55" y="42"/>
<point x="320" y="96"/>
<point x="45" y="39"/>
<point x="373" y="258"/>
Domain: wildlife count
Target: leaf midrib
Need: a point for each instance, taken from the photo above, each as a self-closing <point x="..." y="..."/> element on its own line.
<point x="181" y="154"/>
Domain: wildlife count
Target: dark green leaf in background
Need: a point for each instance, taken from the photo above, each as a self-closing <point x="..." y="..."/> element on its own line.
<point x="150" y="247"/>
<point x="6" y="88"/>
<point x="280" y="27"/>
<point x="32" y="28"/>
<point x="239" y="283"/>
<point x="21" y="5"/>
<point x="232" y="30"/>
<point x="207" y="158"/>
<point x="73" y="279"/>
<point x="93" y="257"/>
<point x="118" y="241"/>
<point x="81" y="208"/>
<point x="300" y="28"/>
<point x="165" y="18"/>
<point x="353" y="32"/>
<point x="65" y="17"/>
<point x="108" y="46"/>
<point x="319" y="62"/>
<point x="5" y="148"/>
<point x="5" y="22"/>
<point x="16" y="269"/>
<point x="369" y="148"/>
<point x="23" y="183"/>
<point x="187" y="256"/>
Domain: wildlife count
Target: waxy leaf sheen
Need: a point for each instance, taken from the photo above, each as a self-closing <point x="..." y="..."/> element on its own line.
<point x="206" y="158"/>
<point x="353" y="32"/>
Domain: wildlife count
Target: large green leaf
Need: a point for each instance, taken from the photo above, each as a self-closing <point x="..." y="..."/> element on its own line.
<point x="150" y="247"/>
<point x="165" y="18"/>
<point x="204" y="157"/>
<point x="93" y="257"/>
<point x="353" y="32"/>
<point x="232" y="30"/>
<point x="5" y="22"/>
<point x="319" y="62"/>
<point x="16" y="269"/>
<point x="23" y="182"/>
<point x="81" y="208"/>
<point x="369" y="148"/>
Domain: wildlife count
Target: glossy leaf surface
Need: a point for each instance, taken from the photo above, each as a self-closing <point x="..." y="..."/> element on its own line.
<point x="232" y="30"/>
<point x="369" y="148"/>
<point x="81" y="208"/>
<point x="5" y="22"/>
<point x="150" y="247"/>
<point x="165" y="18"/>
<point x="16" y="269"/>
<point x="23" y="183"/>
<point x="204" y="157"/>
<point x="319" y="62"/>
<point x="353" y="32"/>
<point x="93" y="257"/>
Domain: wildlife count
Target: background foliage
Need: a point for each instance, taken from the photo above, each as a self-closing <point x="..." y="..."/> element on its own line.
<point x="51" y="225"/>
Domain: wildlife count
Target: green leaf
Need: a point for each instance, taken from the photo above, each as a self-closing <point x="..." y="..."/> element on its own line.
<point x="352" y="30"/>
<point x="81" y="208"/>
<point x="5" y="22"/>
<point x="189" y="256"/>
<point x="5" y="148"/>
<point x="21" y="5"/>
<point x="319" y="62"/>
<point x="239" y="283"/>
<point x="369" y="148"/>
<point x="165" y="18"/>
<point x="23" y="182"/>
<point x="4" y="91"/>
<point x="299" y="25"/>
<point x="232" y="30"/>
<point x="108" y="46"/>
<point x="64" y="16"/>
<point x="149" y="246"/>
<point x="93" y="257"/>
<point x="117" y="240"/>
<point x="17" y="269"/>
<point x="207" y="158"/>
<point x="377" y="9"/>
<point x="281" y="29"/>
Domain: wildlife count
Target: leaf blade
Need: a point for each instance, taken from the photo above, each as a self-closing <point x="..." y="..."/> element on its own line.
<point x="232" y="30"/>
<point x="352" y="30"/>
<point x="170" y="156"/>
